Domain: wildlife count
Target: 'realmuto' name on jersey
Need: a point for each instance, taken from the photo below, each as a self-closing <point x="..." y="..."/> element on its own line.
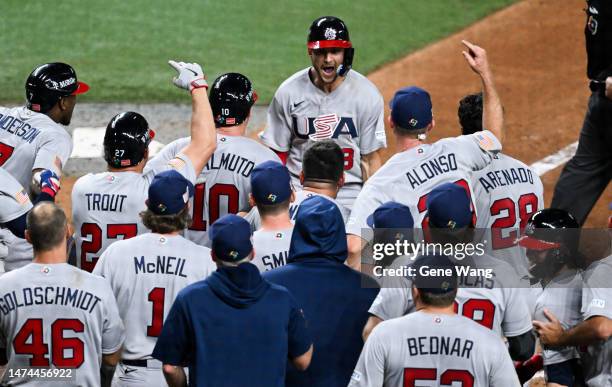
<point x="162" y="265"/>
<point x="19" y="128"/>
<point x="432" y="168"/>
<point x="230" y="162"/>
<point x="48" y="295"/>
<point x="505" y="177"/>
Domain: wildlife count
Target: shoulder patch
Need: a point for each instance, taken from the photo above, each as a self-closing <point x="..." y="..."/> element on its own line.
<point x="598" y="303"/>
<point x="176" y="163"/>
<point x="485" y="142"/>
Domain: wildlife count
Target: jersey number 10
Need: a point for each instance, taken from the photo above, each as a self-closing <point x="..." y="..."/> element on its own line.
<point x="214" y="203"/>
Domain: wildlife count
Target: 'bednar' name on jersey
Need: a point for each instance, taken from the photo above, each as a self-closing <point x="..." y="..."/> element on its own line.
<point x="432" y="168"/>
<point x="440" y="345"/>
<point x="505" y="177"/>
<point x="48" y="295"/>
<point x="161" y="265"/>
<point x="19" y="128"/>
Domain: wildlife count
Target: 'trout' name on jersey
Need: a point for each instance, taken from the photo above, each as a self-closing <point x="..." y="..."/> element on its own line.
<point x="105" y="202"/>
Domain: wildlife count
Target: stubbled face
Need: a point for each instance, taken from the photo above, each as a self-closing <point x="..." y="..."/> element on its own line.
<point x="326" y="62"/>
<point x="68" y="103"/>
<point x="536" y="257"/>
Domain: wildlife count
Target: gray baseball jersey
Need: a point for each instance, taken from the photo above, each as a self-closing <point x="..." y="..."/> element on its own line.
<point x="506" y="192"/>
<point x="224" y="185"/>
<point x="409" y="176"/>
<point x="352" y="115"/>
<point x="106" y="207"/>
<point x="57" y="316"/>
<point x="597" y="301"/>
<point x="14" y="200"/>
<point x="31" y="140"/>
<point x="496" y="303"/>
<point x="271" y="248"/>
<point x="435" y="349"/>
<point x="255" y="220"/>
<point x="146" y="273"/>
<point x="563" y="297"/>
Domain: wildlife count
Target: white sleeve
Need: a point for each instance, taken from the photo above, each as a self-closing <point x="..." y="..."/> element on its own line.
<point x="277" y="134"/>
<point x="370" y="368"/>
<point x="368" y="200"/>
<point x="372" y="135"/>
<point x="113" y="332"/>
<point x="392" y="302"/>
<point x="477" y="149"/>
<point x="517" y="316"/>
<point x="179" y="162"/>
<point x="596" y="291"/>
<point x="53" y="152"/>
<point x="14" y="200"/>
<point x="502" y="371"/>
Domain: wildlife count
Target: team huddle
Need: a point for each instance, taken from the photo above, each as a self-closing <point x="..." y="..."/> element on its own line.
<point x="226" y="261"/>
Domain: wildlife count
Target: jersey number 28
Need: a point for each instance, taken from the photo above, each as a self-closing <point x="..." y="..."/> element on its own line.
<point x="526" y="206"/>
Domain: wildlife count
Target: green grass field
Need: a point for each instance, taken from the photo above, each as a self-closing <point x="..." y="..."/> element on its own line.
<point x="120" y="47"/>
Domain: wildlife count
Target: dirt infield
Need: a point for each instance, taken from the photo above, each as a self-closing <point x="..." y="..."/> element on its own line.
<point x="536" y="48"/>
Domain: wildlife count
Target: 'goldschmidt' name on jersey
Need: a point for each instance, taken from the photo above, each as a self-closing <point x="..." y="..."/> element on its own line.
<point x="162" y="265"/>
<point x="432" y="168"/>
<point x="230" y="162"/>
<point x="504" y="177"/>
<point x="440" y="345"/>
<point x="104" y="202"/>
<point x="19" y="128"/>
<point x="48" y="295"/>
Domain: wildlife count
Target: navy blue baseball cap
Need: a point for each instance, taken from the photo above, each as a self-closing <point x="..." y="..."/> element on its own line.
<point x="448" y="206"/>
<point x="169" y="193"/>
<point x="270" y="183"/>
<point x="391" y="215"/>
<point x="231" y="238"/>
<point x="411" y="108"/>
<point x="442" y="281"/>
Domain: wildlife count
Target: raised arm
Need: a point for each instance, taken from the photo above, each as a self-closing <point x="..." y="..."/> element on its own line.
<point x="492" y="111"/>
<point x="203" y="134"/>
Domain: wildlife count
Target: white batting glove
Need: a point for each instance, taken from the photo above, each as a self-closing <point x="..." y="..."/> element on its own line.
<point x="190" y="75"/>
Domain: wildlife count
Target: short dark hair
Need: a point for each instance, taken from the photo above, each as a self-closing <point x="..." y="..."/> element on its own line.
<point x="323" y="161"/>
<point x="435" y="299"/>
<point x="470" y="113"/>
<point x="273" y="209"/>
<point x="164" y="224"/>
<point x="46" y="225"/>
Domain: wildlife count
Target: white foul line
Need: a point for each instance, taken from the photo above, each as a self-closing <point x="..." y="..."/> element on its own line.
<point x="551" y="162"/>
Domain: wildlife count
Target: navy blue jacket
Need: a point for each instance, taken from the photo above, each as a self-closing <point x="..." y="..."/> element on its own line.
<point x="335" y="298"/>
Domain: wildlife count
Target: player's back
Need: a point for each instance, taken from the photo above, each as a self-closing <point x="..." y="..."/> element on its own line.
<point x="146" y="273"/>
<point x="57" y="316"/>
<point x="271" y="248"/>
<point x="106" y="208"/>
<point x="441" y="349"/>
<point x="224" y="184"/>
<point x="31" y="140"/>
<point x="507" y="192"/>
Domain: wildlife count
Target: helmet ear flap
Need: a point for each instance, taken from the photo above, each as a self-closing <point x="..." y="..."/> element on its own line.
<point x="346" y="65"/>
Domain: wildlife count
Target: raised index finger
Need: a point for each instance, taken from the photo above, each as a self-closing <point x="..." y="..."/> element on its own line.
<point x="174" y="65"/>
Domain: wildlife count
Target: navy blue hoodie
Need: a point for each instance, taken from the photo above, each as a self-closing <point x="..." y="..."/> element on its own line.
<point x="332" y="294"/>
<point x="233" y="329"/>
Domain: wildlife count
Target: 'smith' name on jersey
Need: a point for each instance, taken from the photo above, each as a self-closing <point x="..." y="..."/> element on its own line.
<point x="432" y="168"/>
<point x="105" y="202"/>
<point x="440" y="345"/>
<point x="230" y="162"/>
<point x="324" y="127"/>
<point x="274" y="260"/>
<point x="19" y="128"/>
<point x="505" y="177"/>
<point x="162" y="265"/>
<point x="48" y="295"/>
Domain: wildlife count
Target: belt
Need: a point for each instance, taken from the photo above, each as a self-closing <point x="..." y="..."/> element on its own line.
<point x="146" y="363"/>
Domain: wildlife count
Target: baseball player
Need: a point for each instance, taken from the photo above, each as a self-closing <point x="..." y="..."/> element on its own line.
<point x="224" y="184"/>
<point x="329" y="101"/>
<point x="433" y="344"/>
<point x="493" y="301"/>
<point x="506" y="193"/>
<point x="322" y="174"/>
<point x="34" y="137"/>
<point x="271" y="193"/>
<point x="53" y="315"/>
<point x="418" y="167"/>
<point x="106" y="206"/>
<point x="162" y="263"/>
<point x="553" y="262"/>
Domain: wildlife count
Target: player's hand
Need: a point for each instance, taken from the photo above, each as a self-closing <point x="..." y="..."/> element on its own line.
<point x="550" y="332"/>
<point x="190" y="75"/>
<point x="49" y="183"/>
<point x="609" y="87"/>
<point x="476" y="57"/>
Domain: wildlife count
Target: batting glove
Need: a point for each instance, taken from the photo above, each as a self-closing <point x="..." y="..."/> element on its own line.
<point x="190" y="75"/>
<point x="49" y="183"/>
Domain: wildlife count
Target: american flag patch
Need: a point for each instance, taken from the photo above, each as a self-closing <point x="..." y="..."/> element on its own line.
<point x="230" y="121"/>
<point x="22" y="197"/>
<point x="324" y="126"/>
<point x="125" y="163"/>
<point x="176" y="163"/>
<point x="485" y="142"/>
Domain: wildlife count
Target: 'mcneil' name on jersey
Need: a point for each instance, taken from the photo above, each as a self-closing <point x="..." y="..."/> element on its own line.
<point x="440" y="345"/>
<point x="48" y="295"/>
<point x="231" y="162"/>
<point x="19" y="128"/>
<point x="161" y="265"/>
<point x="432" y="168"/>
<point x="104" y="202"/>
<point x="504" y="177"/>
